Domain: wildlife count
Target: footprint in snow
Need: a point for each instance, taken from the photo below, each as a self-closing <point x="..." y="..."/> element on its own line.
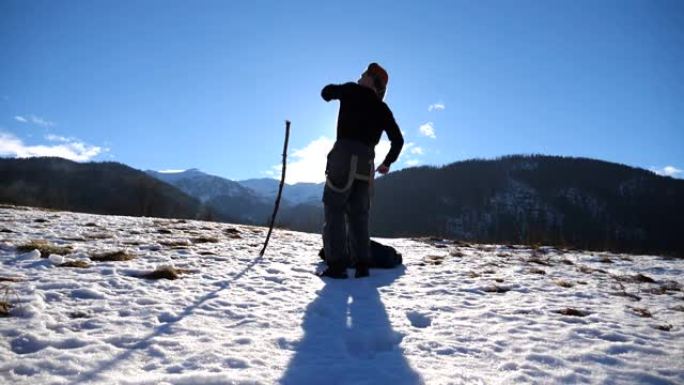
<point x="419" y="320"/>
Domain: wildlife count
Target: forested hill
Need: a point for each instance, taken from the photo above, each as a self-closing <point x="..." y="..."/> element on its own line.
<point x="568" y="202"/>
<point x="575" y="202"/>
<point x="101" y="188"/>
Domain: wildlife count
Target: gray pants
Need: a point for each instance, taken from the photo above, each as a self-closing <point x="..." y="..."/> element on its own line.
<point x="346" y="199"/>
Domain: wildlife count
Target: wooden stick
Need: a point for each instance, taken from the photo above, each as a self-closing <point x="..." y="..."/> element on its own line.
<point x="280" y="188"/>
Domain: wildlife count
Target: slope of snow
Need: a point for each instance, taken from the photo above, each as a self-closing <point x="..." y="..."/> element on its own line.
<point x="455" y="314"/>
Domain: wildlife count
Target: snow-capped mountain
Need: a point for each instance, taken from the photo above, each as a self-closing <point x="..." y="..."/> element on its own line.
<point x="202" y="186"/>
<point x="293" y="194"/>
<point x="228" y="200"/>
<point x="78" y="305"/>
<point x="263" y="186"/>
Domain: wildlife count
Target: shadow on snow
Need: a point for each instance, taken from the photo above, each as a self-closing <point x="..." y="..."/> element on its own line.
<point x="348" y="337"/>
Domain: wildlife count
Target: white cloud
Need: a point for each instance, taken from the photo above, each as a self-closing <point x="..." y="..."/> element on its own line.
<point x="667" y="171"/>
<point x="72" y="149"/>
<point x="35" y="120"/>
<point x="308" y="164"/>
<point x="416" y="150"/>
<point x="428" y="129"/>
<point x="412" y="162"/>
<point x="436" y="107"/>
<point x="57" y="138"/>
<point x="381" y="151"/>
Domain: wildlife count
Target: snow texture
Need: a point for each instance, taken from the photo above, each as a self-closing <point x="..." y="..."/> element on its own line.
<point x="455" y="314"/>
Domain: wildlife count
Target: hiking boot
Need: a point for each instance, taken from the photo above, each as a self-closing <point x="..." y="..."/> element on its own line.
<point x="361" y="272"/>
<point x="334" y="273"/>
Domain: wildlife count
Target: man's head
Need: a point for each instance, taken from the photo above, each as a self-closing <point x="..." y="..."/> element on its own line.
<point x="376" y="78"/>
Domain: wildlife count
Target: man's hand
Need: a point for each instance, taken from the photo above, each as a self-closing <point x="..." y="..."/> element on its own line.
<point x="383" y="169"/>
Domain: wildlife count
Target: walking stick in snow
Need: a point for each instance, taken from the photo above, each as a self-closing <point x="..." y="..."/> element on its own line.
<point x="280" y="188"/>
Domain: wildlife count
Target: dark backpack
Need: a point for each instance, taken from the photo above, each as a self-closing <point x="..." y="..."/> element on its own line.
<point x="381" y="256"/>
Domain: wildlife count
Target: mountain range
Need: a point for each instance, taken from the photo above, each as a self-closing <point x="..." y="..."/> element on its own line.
<point x="99" y="188"/>
<point x="249" y="201"/>
<point x="562" y="201"/>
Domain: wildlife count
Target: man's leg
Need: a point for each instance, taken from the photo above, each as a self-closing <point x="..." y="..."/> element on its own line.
<point x="358" y="208"/>
<point x="334" y="238"/>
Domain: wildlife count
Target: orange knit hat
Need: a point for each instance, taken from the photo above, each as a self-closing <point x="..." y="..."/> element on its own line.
<point x="380" y="77"/>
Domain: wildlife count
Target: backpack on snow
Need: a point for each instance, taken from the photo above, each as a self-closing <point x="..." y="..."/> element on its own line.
<point x="381" y="256"/>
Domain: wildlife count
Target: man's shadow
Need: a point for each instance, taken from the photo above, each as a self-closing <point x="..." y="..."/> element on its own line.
<point x="348" y="338"/>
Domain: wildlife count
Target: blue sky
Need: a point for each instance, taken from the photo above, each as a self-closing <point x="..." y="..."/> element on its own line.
<point x="208" y="84"/>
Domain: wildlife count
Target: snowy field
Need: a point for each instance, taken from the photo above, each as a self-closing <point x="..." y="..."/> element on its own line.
<point x="455" y="314"/>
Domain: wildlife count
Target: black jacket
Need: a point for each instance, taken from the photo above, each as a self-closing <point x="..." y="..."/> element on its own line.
<point x="363" y="117"/>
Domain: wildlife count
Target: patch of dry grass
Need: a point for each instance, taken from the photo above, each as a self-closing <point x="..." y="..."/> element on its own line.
<point x="668" y="287"/>
<point x="77" y="264"/>
<point x="114" y="256"/>
<point x="563" y="283"/>
<point x="97" y="236"/>
<point x="5" y="308"/>
<point x="568" y="311"/>
<point x="660" y="290"/>
<point x="78" y="314"/>
<point x="10" y="279"/>
<point x="638" y="278"/>
<point x="74" y="239"/>
<point x="641" y="311"/>
<point x="456" y="253"/>
<point x="434" y="259"/>
<point x="205" y="239"/>
<point x="538" y="260"/>
<point x="496" y="289"/>
<point x="164" y="272"/>
<point x="671" y="286"/>
<point x="5" y="304"/>
<point x="485" y="248"/>
<point x="175" y="243"/>
<point x="588" y="270"/>
<point x="664" y="327"/>
<point x="45" y="248"/>
<point x="534" y="270"/>
<point x="623" y="291"/>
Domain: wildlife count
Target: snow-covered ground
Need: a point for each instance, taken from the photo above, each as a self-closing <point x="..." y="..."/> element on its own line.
<point x="455" y="314"/>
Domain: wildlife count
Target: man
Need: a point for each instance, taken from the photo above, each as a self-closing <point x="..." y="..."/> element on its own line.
<point x="362" y="118"/>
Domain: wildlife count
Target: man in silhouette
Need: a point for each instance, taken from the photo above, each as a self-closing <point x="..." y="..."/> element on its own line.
<point x="362" y="118"/>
